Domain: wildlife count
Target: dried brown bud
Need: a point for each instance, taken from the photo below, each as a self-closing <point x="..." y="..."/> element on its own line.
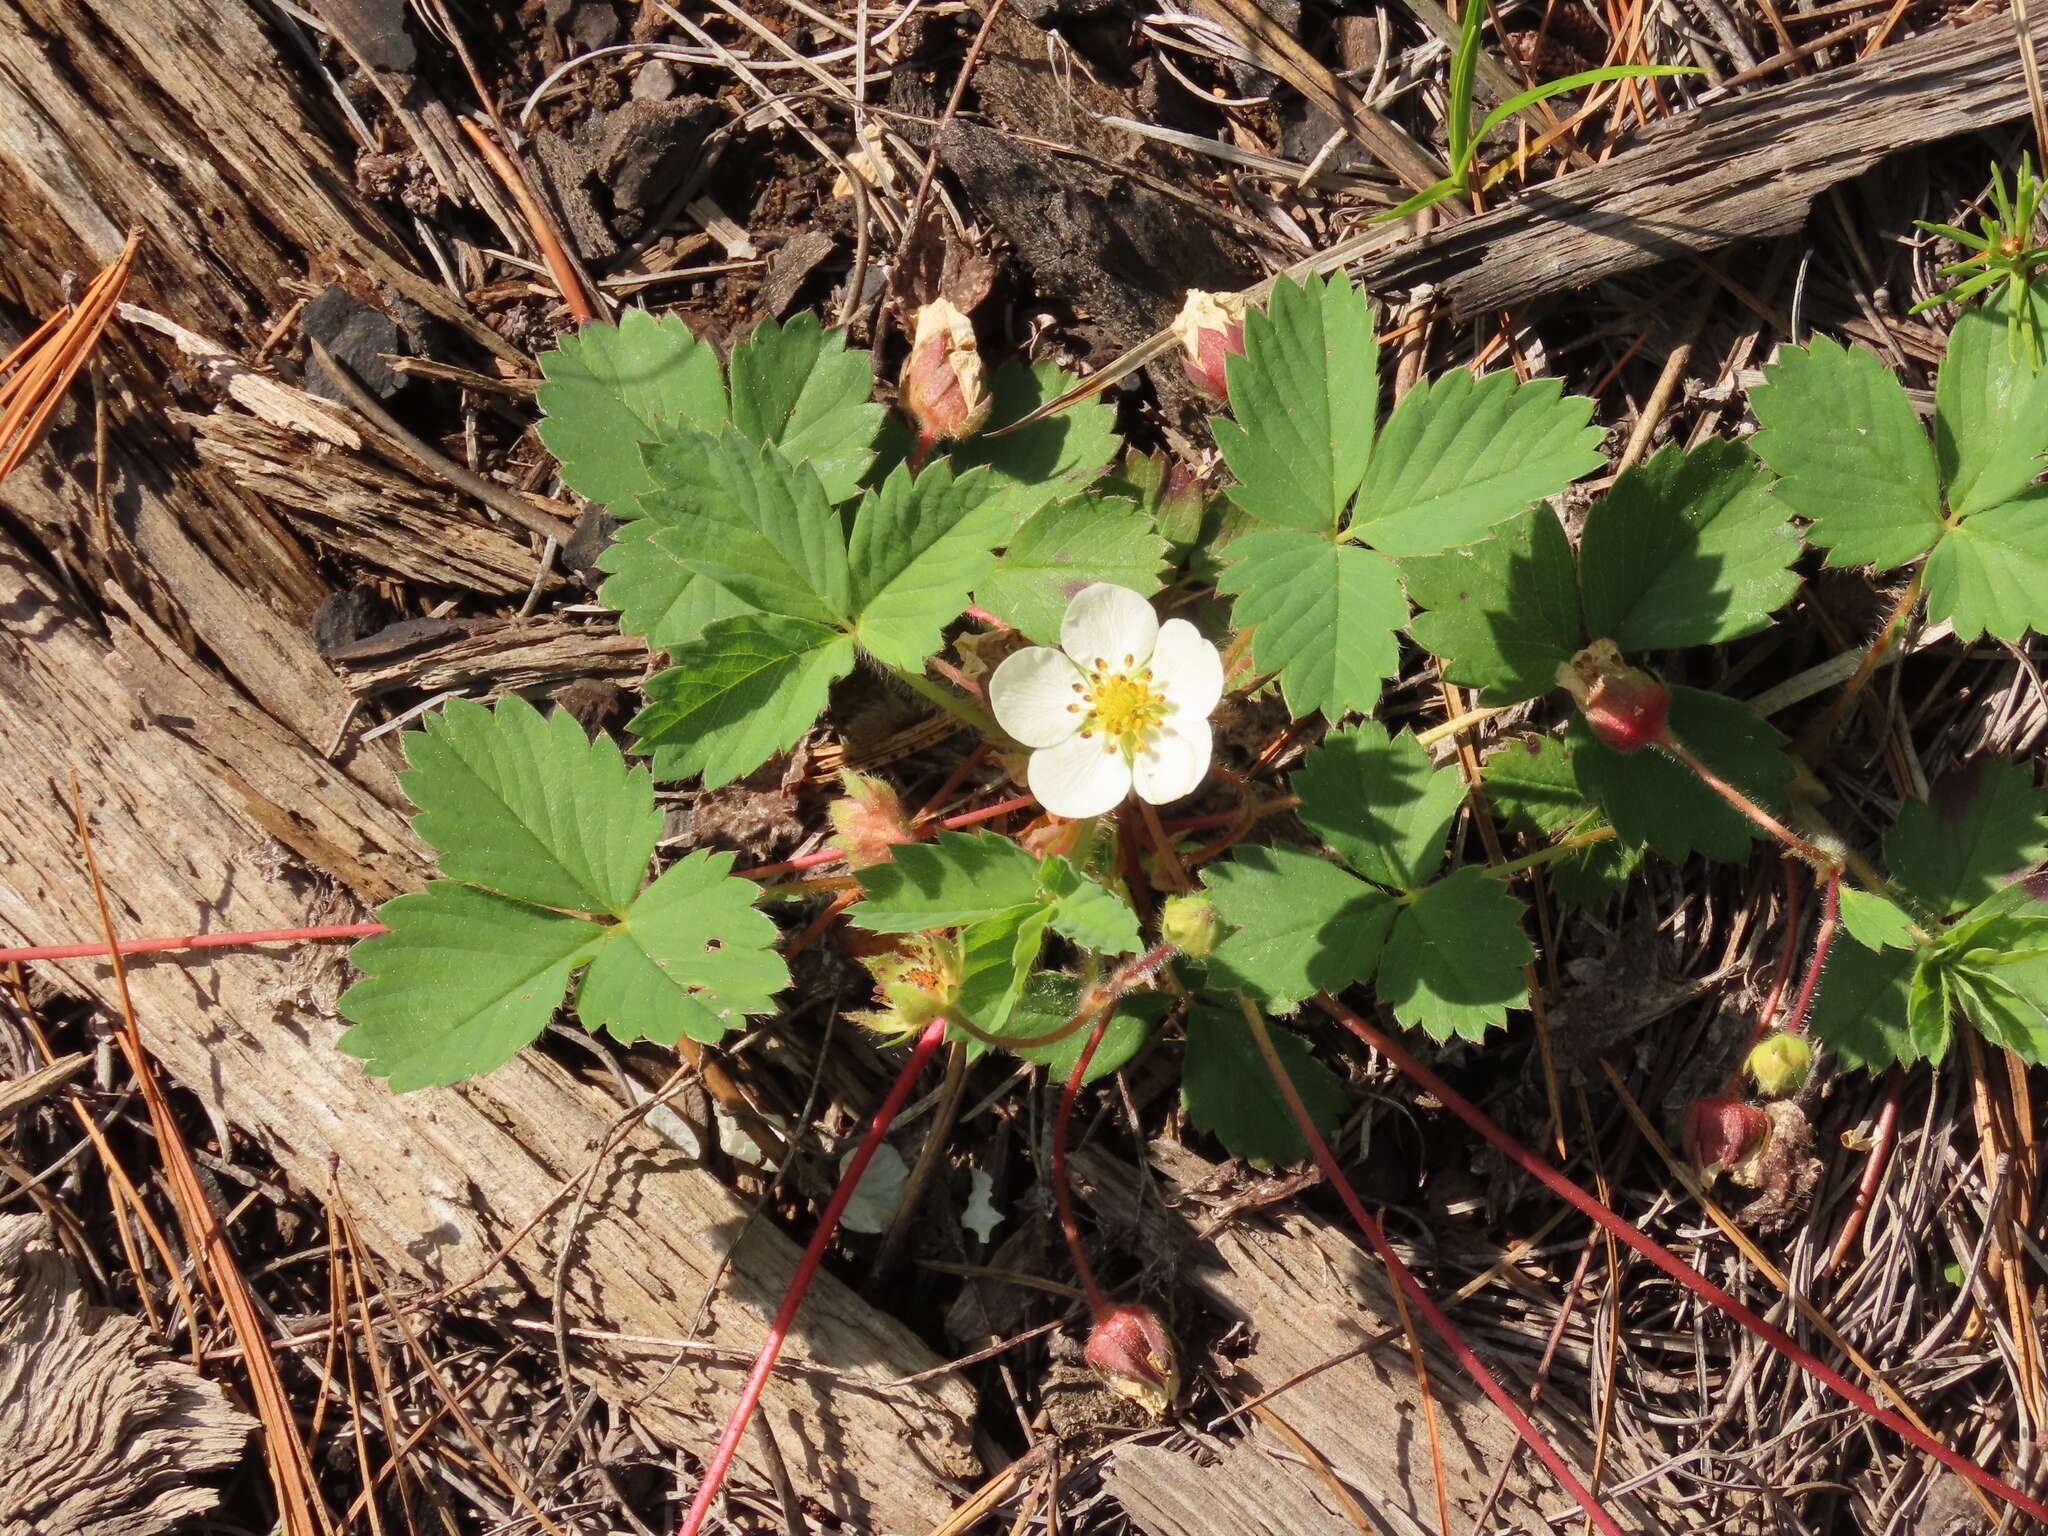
<point x="942" y="385"/>
<point x="868" y="822"/>
<point x="1625" y="707"/>
<point x="1134" y="1355"/>
<point x="1210" y="328"/>
<point x="1724" y="1135"/>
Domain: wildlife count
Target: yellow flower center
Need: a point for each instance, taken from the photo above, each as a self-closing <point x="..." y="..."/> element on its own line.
<point x="1120" y="704"/>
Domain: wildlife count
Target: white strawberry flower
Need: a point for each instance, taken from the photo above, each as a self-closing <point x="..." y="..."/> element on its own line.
<point x="1123" y="704"/>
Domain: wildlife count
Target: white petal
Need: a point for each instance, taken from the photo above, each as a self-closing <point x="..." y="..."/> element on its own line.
<point x="1187" y="668"/>
<point x="1106" y="623"/>
<point x="1174" y="761"/>
<point x="1030" y="693"/>
<point x="1079" y="777"/>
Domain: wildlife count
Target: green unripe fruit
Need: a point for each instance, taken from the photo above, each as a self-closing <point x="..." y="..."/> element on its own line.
<point x="1190" y="925"/>
<point x="1780" y="1065"/>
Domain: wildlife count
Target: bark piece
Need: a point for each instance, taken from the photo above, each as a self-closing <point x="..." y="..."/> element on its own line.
<point x="365" y="508"/>
<point x="1746" y="168"/>
<point x="101" y="1432"/>
<point x="1308" y="1294"/>
<point x="1246" y="1493"/>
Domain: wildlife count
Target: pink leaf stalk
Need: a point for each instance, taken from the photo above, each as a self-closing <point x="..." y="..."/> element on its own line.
<point x="806" y="1269"/>
<point x="1671" y="1264"/>
<point x="1414" y="1291"/>
<point x="191" y="941"/>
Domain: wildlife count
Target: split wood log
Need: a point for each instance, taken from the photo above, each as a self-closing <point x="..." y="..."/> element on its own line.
<point x="215" y="808"/>
<point x="1742" y="168"/>
<point x="1308" y="1295"/>
<point x="101" y="1434"/>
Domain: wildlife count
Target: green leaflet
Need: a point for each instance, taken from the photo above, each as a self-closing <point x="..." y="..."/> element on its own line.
<point x="1686" y="549"/>
<point x="1304" y="396"/>
<point x="532" y="817"/>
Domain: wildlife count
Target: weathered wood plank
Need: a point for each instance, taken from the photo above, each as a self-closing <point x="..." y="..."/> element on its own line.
<point x="1744" y="168"/>
<point x="186" y="787"/>
<point x="1308" y="1295"/>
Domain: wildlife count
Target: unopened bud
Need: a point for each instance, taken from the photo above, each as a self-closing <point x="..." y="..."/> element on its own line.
<point x="1210" y="328"/>
<point x="1190" y="925"/>
<point x="916" y="981"/>
<point x="1723" y="1135"/>
<point x="1134" y="1355"/>
<point x="1780" y="1064"/>
<point x="868" y="822"/>
<point x="942" y="385"/>
<point x="1625" y="707"/>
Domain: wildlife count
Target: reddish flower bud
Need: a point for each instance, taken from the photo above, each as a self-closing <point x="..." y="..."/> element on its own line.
<point x="1724" y="1135"/>
<point x="1780" y="1064"/>
<point x="942" y="384"/>
<point x="868" y="822"/>
<point x="1624" y="706"/>
<point x="1210" y="328"/>
<point x="1134" y="1355"/>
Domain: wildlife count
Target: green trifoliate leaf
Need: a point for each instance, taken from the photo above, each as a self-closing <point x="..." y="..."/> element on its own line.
<point x="1046" y="461"/>
<point x="1984" y="823"/>
<point x="1051" y="1000"/>
<point x="1379" y="803"/>
<point x="1855" y="460"/>
<point x="1874" y="922"/>
<point x="1686" y="549"/>
<point x="960" y="877"/>
<point x="1990" y="573"/>
<point x="1304" y="394"/>
<point x="1089" y="913"/>
<point x="744" y="690"/>
<point x="752" y="522"/>
<point x="531" y="807"/>
<point x="609" y="388"/>
<point x="1302" y="925"/>
<point x="1653" y="799"/>
<point x="1502" y="614"/>
<point x="1535" y="791"/>
<point x="1453" y="962"/>
<point x="658" y="597"/>
<point x="798" y="387"/>
<point x="919" y="546"/>
<point x="1990" y="409"/>
<point x="464" y="980"/>
<point x="1067" y="546"/>
<point x="692" y="957"/>
<point x="997" y="956"/>
<point x="1460" y="455"/>
<point x="1860" y="1010"/>
<point x="1326" y="615"/>
<point x="1229" y="1092"/>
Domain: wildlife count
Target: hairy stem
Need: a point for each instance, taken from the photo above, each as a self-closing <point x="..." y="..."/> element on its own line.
<point x="1673" y="1266"/>
<point x="1817" y="857"/>
<point x="1823" y="939"/>
<point x="968" y="713"/>
<point x="806" y="1269"/>
<point x="1063" y="1196"/>
<point x="193" y="941"/>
